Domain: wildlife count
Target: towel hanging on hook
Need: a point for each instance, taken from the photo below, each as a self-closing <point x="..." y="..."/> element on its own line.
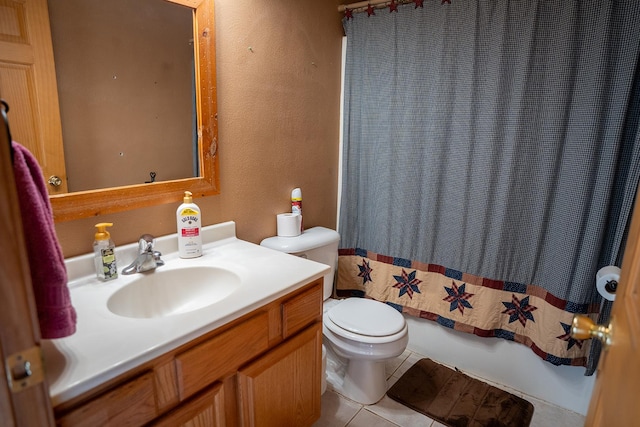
<point x="5" y="110"/>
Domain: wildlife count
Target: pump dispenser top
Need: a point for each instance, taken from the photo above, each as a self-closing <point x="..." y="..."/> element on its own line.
<point x="101" y="231"/>
<point x="188" y="197"/>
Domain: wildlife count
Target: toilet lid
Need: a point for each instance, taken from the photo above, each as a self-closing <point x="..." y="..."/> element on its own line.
<point x="366" y="317"/>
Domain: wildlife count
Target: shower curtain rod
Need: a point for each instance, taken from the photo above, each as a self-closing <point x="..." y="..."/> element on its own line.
<point x="361" y="4"/>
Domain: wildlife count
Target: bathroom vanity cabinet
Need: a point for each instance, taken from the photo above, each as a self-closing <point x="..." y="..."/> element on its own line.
<point x="262" y="369"/>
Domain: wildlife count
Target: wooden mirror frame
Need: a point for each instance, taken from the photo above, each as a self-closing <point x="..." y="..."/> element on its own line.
<point x="84" y="204"/>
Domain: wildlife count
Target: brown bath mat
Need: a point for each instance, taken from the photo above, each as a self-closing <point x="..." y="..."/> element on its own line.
<point x="457" y="400"/>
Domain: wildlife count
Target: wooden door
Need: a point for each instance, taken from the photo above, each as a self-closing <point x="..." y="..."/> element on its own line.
<point x="28" y="84"/>
<point x="19" y="330"/>
<point x="282" y="388"/>
<point x="615" y="398"/>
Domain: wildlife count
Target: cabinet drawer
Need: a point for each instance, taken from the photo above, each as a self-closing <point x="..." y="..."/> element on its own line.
<point x="302" y="310"/>
<point x="206" y="409"/>
<point x="222" y="354"/>
<point x="130" y="404"/>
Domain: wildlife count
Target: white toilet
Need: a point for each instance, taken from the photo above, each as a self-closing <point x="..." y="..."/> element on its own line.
<point x="362" y="333"/>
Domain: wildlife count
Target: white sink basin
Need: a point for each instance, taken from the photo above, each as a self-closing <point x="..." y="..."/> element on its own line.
<point x="164" y="293"/>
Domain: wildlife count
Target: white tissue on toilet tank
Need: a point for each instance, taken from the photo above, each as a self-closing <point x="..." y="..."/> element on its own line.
<point x="288" y="224"/>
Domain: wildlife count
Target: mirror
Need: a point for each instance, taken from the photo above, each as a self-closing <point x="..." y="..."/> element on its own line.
<point x="126" y="90"/>
<point x="89" y="203"/>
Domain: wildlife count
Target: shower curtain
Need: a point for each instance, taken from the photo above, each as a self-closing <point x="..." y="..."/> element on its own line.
<point x="490" y="162"/>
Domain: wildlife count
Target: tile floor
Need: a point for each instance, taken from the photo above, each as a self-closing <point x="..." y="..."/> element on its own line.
<point x="338" y="411"/>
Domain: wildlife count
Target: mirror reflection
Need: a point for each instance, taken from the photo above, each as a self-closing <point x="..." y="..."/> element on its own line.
<point x="125" y="76"/>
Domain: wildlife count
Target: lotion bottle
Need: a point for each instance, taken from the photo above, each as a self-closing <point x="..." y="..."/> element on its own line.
<point x="104" y="253"/>
<point x="188" y="222"/>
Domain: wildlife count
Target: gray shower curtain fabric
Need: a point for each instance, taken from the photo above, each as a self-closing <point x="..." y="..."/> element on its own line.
<point x="490" y="162"/>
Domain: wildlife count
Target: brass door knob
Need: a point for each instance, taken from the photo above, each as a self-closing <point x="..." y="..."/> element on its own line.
<point x="55" y="181"/>
<point x="584" y="328"/>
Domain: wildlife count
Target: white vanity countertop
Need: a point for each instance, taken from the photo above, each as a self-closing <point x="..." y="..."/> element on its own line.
<point x="106" y="345"/>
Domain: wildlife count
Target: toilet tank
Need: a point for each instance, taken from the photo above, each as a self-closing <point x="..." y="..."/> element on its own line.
<point x="317" y="244"/>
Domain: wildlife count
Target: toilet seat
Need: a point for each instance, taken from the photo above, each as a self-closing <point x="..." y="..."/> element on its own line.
<point x="365" y="320"/>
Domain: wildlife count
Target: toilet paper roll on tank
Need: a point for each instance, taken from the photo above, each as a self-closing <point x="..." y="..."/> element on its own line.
<point x="607" y="279"/>
<point x="288" y="224"/>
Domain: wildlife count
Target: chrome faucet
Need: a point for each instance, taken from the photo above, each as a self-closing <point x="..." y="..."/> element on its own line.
<point x="147" y="259"/>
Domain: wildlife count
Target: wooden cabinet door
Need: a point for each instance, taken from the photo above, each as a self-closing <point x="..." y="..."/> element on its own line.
<point x="282" y="388"/>
<point x="615" y="397"/>
<point x="205" y="410"/>
<point x="28" y="84"/>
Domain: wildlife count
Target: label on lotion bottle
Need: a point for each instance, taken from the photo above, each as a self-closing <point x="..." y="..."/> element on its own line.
<point x="188" y="222"/>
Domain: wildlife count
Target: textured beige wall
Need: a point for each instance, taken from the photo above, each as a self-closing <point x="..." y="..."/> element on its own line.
<point x="278" y="80"/>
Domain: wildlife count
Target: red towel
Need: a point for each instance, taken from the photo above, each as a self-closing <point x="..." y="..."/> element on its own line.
<point x="56" y="315"/>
